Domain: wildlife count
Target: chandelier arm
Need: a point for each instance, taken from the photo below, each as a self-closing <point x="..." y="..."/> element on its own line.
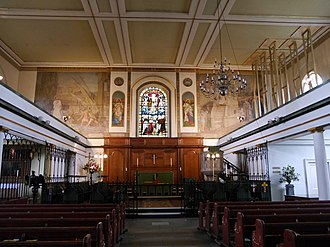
<point x="219" y="30"/>
<point x="223" y="79"/>
<point x="231" y="44"/>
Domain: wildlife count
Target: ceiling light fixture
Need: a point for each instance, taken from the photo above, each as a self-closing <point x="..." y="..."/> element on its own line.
<point x="223" y="80"/>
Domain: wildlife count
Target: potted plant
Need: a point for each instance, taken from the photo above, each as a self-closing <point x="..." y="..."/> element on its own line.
<point x="288" y="175"/>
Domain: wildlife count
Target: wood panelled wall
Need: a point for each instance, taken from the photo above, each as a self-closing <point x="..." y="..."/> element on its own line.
<point x="127" y="156"/>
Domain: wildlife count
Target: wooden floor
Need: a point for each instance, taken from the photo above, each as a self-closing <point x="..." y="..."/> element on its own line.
<point x="164" y="232"/>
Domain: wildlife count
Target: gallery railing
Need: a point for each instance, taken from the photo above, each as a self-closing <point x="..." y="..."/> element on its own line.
<point x="13" y="187"/>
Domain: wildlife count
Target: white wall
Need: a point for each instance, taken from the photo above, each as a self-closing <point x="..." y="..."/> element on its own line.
<point x="294" y="153"/>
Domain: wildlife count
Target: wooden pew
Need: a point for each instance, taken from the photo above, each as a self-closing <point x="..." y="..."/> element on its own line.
<point x="218" y="209"/>
<point x="294" y="239"/>
<point x="120" y="209"/>
<point x="245" y="225"/>
<point x="54" y="233"/>
<point x="108" y="230"/>
<point x="53" y="212"/>
<point x="205" y="211"/>
<point x="201" y="216"/>
<point x="85" y="242"/>
<point x="270" y="234"/>
<point x="229" y="217"/>
<point x="204" y="215"/>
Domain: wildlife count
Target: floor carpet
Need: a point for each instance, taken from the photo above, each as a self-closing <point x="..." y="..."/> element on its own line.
<point x="174" y="232"/>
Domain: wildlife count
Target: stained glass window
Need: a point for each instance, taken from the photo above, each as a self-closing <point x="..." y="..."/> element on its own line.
<point x="153" y="113"/>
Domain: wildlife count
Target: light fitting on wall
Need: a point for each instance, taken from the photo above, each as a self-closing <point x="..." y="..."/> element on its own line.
<point x="100" y="156"/>
<point x="223" y="80"/>
<point x="211" y="165"/>
<point x="66" y="118"/>
<point x="274" y="120"/>
<point x="241" y="118"/>
<point x="1" y="77"/>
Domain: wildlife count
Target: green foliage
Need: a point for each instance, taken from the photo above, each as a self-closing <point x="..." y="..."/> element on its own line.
<point x="288" y="175"/>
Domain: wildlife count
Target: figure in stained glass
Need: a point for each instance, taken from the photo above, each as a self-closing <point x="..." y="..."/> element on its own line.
<point x="153" y="112"/>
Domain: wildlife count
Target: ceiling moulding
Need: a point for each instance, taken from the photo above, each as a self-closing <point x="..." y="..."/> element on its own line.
<point x="72" y="69"/>
<point x="129" y="69"/>
<point x="9" y="59"/>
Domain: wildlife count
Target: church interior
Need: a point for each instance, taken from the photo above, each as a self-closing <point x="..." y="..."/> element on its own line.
<point x="178" y="109"/>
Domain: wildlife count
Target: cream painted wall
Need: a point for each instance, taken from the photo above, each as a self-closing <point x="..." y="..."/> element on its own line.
<point x="322" y="53"/>
<point x="27" y="84"/>
<point x="10" y="73"/>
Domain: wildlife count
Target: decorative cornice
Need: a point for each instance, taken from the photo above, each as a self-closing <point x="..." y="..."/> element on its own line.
<point x="316" y="129"/>
<point x="3" y="129"/>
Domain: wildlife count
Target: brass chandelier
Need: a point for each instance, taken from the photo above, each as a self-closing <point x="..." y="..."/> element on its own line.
<point x="223" y="80"/>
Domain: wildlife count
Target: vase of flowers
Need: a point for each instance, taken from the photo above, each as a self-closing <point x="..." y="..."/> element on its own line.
<point x="288" y="174"/>
<point x="92" y="166"/>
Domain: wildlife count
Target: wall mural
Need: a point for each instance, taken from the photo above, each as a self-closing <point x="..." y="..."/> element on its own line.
<point x="118" y="106"/>
<point x="188" y="107"/>
<point x="217" y="118"/>
<point x="80" y="99"/>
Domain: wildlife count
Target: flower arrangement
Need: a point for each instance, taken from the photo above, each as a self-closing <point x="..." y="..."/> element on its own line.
<point x="288" y="175"/>
<point x="91" y="166"/>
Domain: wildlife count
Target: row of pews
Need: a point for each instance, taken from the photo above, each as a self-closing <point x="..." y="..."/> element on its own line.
<point x="267" y="224"/>
<point x="68" y="225"/>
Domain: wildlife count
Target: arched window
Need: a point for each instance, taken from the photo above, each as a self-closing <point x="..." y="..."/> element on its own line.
<point x="153" y="113"/>
<point x="310" y="81"/>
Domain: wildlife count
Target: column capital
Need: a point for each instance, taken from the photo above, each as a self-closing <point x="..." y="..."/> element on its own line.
<point x="316" y="129"/>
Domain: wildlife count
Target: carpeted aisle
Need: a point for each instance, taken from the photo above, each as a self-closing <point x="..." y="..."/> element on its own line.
<point x="164" y="232"/>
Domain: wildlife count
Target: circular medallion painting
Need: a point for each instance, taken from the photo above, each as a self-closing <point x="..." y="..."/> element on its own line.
<point x="187" y="82"/>
<point x="119" y="81"/>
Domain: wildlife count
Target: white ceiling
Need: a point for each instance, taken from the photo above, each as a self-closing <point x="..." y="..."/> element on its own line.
<point x="151" y="33"/>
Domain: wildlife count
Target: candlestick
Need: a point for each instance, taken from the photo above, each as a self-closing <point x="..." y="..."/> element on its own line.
<point x="171" y="162"/>
<point x="137" y="162"/>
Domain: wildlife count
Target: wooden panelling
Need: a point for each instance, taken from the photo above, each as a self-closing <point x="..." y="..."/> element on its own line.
<point x="190" y="163"/>
<point x="127" y="156"/>
<point x="117" y="141"/>
<point x="115" y="164"/>
<point x="190" y="141"/>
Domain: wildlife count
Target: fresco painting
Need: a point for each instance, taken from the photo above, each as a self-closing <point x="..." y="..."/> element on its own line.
<point x="80" y="99"/>
<point x="219" y="117"/>
<point x="118" y="106"/>
<point x="188" y="108"/>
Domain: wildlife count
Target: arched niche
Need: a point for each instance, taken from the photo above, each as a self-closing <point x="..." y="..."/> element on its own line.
<point x="157" y="81"/>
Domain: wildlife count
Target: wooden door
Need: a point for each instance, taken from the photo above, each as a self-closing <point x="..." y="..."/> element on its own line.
<point x="114" y="166"/>
<point x="190" y="163"/>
